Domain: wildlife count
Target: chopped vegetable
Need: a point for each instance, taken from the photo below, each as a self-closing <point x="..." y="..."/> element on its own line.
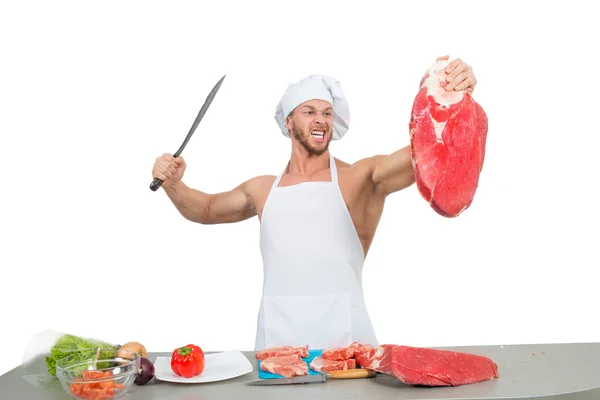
<point x="187" y="361"/>
<point x="81" y="349"/>
<point x="95" y="390"/>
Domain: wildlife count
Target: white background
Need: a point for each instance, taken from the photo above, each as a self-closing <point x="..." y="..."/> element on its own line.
<point x="92" y="93"/>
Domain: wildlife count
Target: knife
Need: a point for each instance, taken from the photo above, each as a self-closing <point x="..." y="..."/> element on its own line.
<point x="317" y="378"/>
<point x="156" y="183"/>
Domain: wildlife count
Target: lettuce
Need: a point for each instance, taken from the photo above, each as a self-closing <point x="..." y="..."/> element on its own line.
<point x="81" y="349"/>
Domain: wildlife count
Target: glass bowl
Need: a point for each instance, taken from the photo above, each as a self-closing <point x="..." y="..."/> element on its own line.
<point x="87" y="378"/>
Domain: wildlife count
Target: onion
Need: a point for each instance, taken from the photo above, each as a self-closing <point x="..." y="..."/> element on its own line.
<point x="131" y="347"/>
<point x="145" y="373"/>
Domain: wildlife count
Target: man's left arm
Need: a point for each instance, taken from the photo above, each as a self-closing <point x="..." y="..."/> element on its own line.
<point x="394" y="172"/>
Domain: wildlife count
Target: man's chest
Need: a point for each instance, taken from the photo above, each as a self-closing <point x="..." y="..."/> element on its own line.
<point x="354" y="192"/>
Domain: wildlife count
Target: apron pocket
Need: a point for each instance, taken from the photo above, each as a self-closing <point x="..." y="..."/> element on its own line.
<point x="318" y="321"/>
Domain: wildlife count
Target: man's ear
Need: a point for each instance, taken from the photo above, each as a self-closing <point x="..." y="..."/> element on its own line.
<point x="288" y="122"/>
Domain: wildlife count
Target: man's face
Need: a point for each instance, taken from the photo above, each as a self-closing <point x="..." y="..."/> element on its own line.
<point x="311" y="124"/>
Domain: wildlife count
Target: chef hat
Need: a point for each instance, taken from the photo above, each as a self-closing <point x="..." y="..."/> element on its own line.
<point x="315" y="87"/>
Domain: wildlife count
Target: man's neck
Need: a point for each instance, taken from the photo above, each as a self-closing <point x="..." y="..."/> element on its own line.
<point x="304" y="164"/>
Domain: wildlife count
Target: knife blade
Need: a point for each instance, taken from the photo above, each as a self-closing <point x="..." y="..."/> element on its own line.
<point x="156" y="183"/>
<point x="316" y="378"/>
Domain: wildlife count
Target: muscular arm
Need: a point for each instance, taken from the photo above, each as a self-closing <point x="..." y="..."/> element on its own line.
<point x="393" y="172"/>
<point x="225" y="207"/>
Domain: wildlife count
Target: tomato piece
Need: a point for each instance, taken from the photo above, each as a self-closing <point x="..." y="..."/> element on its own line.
<point x="76" y="389"/>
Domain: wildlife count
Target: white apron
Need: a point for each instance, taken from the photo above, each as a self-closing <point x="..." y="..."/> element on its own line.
<point x="313" y="261"/>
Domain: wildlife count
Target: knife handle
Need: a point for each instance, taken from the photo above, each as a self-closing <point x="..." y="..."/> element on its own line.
<point x="156" y="183"/>
<point x="353" y="373"/>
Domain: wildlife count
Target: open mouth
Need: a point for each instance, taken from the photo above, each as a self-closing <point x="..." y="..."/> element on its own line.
<point x="318" y="135"/>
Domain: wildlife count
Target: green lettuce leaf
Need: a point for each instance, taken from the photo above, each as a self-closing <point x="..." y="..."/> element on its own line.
<point x="81" y="349"/>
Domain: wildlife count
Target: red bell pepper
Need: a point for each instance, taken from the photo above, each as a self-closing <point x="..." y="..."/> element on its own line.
<point x="187" y="361"/>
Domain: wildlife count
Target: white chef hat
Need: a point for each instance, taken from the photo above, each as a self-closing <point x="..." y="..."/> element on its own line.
<point x="315" y="87"/>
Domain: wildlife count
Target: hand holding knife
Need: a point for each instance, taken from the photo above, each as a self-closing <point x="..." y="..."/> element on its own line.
<point x="156" y="183"/>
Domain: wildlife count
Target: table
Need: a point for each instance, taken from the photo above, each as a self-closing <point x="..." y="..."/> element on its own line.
<point x="548" y="371"/>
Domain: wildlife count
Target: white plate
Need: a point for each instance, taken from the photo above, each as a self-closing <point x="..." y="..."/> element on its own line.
<point x="217" y="367"/>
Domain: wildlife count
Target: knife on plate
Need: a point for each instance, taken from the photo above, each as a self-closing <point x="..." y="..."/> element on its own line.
<point x="317" y="378"/>
<point x="156" y="183"/>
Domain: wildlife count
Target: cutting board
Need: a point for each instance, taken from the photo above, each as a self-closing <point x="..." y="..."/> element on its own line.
<point x="311" y="355"/>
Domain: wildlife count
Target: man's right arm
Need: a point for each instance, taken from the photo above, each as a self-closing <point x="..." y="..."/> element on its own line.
<point x="225" y="207"/>
<point x="232" y="206"/>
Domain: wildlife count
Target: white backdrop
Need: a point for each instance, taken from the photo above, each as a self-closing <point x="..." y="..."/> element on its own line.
<point x="91" y="94"/>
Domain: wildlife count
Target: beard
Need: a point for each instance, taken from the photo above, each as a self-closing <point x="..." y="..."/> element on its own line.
<point x="304" y="142"/>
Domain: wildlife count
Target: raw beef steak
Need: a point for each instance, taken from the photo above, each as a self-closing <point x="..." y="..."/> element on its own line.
<point x="321" y="364"/>
<point x="282" y="351"/>
<point x="359" y="348"/>
<point x="427" y="367"/>
<point x="288" y="366"/>
<point x="340" y="353"/>
<point x="448" y="132"/>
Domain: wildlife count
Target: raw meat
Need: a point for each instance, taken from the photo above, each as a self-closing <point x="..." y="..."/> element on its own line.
<point x="427" y="367"/>
<point x="340" y="353"/>
<point x="448" y="132"/>
<point x="321" y="364"/>
<point x="359" y="348"/>
<point x="282" y="351"/>
<point x="288" y="366"/>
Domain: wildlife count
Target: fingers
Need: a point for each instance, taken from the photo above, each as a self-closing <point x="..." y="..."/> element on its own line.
<point x="442" y="58"/>
<point x="455" y="66"/>
<point x="179" y="161"/>
<point x="165" y="167"/>
<point x="168" y="158"/>
<point x="458" y="82"/>
<point x="168" y="162"/>
<point x="468" y="84"/>
<point x="162" y="172"/>
<point x="168" y="165"/>
<point x="460" y="76"/>
<point x="463" y="85"/>
<point x="175" y="161"/>
<point x="161" y="176"/>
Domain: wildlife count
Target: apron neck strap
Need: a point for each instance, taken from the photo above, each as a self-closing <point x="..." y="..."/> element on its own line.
<point x="276" y="183"/>
<point x="333" y="168"/>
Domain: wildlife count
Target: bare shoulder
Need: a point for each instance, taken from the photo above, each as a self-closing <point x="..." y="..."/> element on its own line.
<point x="258" y="185"/>
<point x="257" y="190"/>
<point x="359" y="173"/>
<point x="362" y="167"/>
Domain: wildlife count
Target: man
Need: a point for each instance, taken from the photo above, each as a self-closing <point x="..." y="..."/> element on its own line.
<point x="317" y="218"/>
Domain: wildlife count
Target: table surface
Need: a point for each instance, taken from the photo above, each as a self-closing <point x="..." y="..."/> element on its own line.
<point x="548" y="371"/>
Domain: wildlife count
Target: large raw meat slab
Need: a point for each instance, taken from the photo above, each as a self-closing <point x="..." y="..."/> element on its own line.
<point x="426" y="367"/>
<point x="448" y="132"/>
